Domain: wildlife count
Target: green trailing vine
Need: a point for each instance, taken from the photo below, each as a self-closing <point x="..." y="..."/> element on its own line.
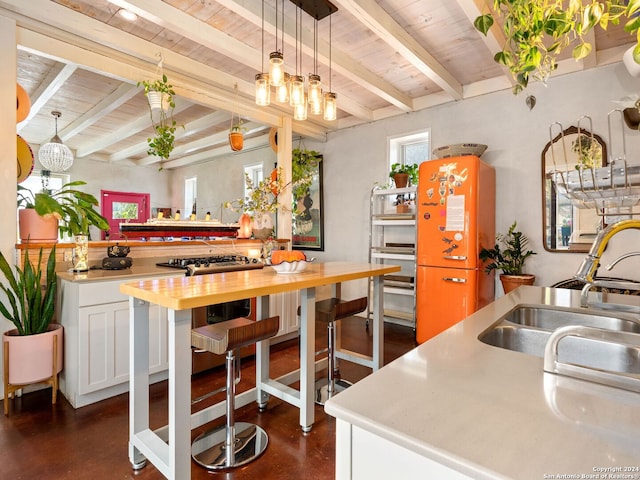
<point x="537" y="31"/>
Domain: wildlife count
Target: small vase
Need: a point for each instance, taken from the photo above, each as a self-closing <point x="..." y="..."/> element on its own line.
<point x="262" y="226"/>
<point x="80" y="258"/>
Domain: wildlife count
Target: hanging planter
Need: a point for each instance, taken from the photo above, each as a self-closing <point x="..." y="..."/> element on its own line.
<point x="236" y="130"/>
<point x="159" y="101"/>
<point x="236" y="140"/>
<point x="160" y="95"/>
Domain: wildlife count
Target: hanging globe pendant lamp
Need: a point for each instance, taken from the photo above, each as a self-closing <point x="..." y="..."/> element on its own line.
<point x="54" y="155"/>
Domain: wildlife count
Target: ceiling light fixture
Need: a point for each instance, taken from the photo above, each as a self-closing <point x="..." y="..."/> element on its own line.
<point x="128" y="15"/>
<point x="292" y="88"/>
<point x="54" y="155"/>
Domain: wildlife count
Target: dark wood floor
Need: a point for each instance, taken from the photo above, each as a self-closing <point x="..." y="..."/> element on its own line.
<point x="42" y="441"/>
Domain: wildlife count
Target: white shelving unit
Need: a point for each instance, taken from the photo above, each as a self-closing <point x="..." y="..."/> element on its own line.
<point x="392" y="240"/>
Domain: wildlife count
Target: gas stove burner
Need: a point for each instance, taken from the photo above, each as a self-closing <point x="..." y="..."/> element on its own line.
<point x="212" y="264"/>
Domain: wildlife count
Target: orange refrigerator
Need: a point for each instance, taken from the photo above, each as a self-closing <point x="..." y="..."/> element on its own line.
<point x="455" y="220"/>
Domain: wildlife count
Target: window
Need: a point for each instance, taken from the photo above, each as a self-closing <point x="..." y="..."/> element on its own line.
<point x="36" y="181"/>
<point x="411" y="148"/>
<point x="190" y="194"/>
<point x="256" y="175"/>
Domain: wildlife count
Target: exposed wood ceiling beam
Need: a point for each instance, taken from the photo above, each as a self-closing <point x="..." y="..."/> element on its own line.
<point x="215" y="140"/>
<point x="494" y="39"/>
<point x="183" y="131"/>
<point x="137" y="125"/>
<point x="219" y="151"/>
<point x="383" y="25"/>
<point x="47" y="89"/>
<point x="118" y="97"/>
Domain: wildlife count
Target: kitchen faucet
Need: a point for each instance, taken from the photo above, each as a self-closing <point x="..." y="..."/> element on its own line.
<point x="589" y="267"/>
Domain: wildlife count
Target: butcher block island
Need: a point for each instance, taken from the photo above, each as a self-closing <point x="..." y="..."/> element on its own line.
<point x="458" y="408"/>
<point x="179" y="295"/>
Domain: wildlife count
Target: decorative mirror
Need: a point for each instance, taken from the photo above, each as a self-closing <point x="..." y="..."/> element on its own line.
<point x="565" y="227"/>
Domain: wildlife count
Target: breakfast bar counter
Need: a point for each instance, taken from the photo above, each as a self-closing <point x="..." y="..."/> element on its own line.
<point x="169" y="447"/>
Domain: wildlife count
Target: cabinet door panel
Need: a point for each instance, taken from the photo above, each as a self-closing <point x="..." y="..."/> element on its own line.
<point x="94" y="338"/>
<point x="120" y="317"/>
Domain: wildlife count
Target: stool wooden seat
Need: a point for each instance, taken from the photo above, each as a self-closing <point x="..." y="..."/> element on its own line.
<point x="231" y="445"/>
<point x="329" y="311"/>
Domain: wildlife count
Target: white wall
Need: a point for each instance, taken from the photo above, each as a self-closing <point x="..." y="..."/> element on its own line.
<point x="220" y="180"/>
<point x="355" y="159"/>
<point x="121" y="177"/>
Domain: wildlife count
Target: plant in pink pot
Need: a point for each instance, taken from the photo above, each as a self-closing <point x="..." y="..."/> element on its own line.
<point x="32" y="351"/>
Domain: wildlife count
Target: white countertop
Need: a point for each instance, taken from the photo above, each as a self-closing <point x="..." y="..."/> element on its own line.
<point x="489" y="412"/>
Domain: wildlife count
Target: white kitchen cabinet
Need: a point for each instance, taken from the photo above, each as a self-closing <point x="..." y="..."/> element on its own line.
<point x="104" y="344"/>
<point x="96" y="357"/>
<point x="362" y="455"/>
<point x="392" y="240"/>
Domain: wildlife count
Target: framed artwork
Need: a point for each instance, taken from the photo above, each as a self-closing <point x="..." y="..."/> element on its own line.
<point x="307" y="223"/>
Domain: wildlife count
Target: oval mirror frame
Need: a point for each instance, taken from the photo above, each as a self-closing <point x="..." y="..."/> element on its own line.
<point x="569" y="223"/>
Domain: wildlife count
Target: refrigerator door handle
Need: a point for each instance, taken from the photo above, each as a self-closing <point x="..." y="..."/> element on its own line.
<point x="454" y="257"/>
<point x="454" y="279"/>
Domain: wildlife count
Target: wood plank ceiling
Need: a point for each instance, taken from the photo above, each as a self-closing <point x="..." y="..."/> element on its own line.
<point x="388" y="57"/>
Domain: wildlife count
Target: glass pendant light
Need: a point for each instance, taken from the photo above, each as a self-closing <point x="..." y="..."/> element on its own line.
<point x="300" y="110"/>
<point x="263" y="91"/>
<point x="330" y="98"/>
<point x="296" y="93"/>
<point x="54" y="155"/>
<point x="314" y="89"/>
<point x="296" y="96"/>
<point x="276" y="60"/>
<point x="282" y="91"/>
<point x="330" y="106"/>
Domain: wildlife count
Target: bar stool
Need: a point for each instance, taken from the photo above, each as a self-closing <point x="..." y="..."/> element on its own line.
<point x="233" y="444"/>
<point x="329" y="311"/>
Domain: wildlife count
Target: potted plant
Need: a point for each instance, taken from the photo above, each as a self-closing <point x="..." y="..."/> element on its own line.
<point x="162" y="103"/>
<point x="404" y="174"/>
<point x="160" y="93"/>
<point x="537" y="31"/>
<point x="260" y="203"/>
<point x="33" y="349"/>
<point x="236" y="135"/>
<point x="72" y="208"/>
<point x="509" y="255"/>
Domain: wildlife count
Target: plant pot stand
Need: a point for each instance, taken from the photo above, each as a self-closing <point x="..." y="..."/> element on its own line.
<point x="43" y="361"/>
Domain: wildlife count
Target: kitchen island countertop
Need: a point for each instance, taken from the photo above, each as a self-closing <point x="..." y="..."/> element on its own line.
<point x="488" y="412"/>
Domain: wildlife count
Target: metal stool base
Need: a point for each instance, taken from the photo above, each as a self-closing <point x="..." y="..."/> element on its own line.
<point x="208" y="449"/>
<point x="322" y="389"/>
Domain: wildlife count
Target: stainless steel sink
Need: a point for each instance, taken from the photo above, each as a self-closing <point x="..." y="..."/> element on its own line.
<point x="547" y="318"/>
<point x="587" y="352"/>
<point x="595" y="346"/>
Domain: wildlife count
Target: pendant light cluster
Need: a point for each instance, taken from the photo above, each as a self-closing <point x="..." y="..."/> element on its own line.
<point x="291" y="88"/>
